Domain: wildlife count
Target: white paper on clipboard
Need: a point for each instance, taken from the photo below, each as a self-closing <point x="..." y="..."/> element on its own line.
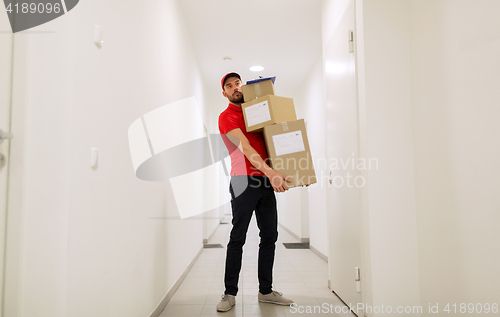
<point x="257" y="113"/>
<point x="288" y="143"/>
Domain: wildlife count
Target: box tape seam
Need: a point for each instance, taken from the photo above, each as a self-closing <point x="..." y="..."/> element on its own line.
<point x="284" y="125"/>
<point x="258" y="90"/>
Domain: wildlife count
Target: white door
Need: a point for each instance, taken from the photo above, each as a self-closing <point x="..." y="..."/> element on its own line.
<point x="342" y="143"/>
<point x="6" y="37"/>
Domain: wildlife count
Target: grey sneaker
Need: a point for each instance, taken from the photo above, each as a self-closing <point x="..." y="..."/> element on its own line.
<point x="275" y="298"/>
<point x="226" y="303"/>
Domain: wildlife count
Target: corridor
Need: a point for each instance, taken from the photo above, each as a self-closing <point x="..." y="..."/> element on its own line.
<point x="298" y="273"/>
<point x="113" y="173"/>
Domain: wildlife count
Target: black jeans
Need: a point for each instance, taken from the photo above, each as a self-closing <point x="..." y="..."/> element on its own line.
<point x="251" y="193"/>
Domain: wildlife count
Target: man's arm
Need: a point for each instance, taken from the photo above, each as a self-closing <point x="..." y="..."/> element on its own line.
<point x="240" y="140"/>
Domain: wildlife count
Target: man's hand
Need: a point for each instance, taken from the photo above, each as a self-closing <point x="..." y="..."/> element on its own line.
<point x="278" y="181"/>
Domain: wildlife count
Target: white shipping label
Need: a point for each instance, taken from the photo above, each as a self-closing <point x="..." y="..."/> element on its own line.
<point x="257" y="113"/>
<point x="288" y="143"/>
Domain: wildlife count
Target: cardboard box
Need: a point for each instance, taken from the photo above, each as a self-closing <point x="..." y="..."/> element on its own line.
<point x="267" y="110"/>
<point x="289" y="153"/>
<point x="258" y="89"/>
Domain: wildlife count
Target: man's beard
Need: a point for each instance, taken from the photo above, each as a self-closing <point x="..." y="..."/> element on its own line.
<point x="237" y="98"/>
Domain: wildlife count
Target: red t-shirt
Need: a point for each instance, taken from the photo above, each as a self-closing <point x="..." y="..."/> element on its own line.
<point x="230" y="119"/>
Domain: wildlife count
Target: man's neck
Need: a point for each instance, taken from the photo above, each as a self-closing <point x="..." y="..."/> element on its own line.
<point x="236" y="104"/>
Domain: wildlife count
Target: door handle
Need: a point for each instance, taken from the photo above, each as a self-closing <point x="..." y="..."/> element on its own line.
<point x="5" y="135"/>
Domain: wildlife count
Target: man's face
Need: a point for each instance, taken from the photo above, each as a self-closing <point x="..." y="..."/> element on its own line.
<point x="232" y="90"/>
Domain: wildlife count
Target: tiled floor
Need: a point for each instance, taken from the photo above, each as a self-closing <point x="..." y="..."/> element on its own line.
<point x="299" y="274"/>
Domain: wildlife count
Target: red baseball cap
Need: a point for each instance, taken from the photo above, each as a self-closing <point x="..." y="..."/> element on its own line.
<point x="223" y="81"/>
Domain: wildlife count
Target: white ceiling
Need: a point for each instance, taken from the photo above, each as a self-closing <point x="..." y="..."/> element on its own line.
<point x="283" y="36"/>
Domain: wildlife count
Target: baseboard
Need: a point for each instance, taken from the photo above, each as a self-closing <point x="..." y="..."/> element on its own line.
<point x="171" y="292"/>
<point x="302" y="240"/>
<point x="318" y="253"/>
<point x="352" y="311"/>
<point x="205" y="241"/>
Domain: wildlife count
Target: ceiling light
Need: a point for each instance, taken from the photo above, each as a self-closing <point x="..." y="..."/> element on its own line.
<point x="256" y="68"/>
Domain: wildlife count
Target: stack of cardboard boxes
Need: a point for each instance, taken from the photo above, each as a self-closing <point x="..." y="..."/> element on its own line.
<point x="284" y="135"/>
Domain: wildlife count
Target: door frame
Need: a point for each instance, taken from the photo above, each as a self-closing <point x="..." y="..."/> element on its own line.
<point x="14" y="215"/>
<point x="6" y="125"/>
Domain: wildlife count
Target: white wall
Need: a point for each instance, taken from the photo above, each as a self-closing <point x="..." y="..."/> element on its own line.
<point x="96" y="242"/>
<point x="289" y="211"/>
<point x="332" y="12"/>
<point x="298" y="210"/>
<point x="391" y="190"/>
<point x="455" y="49"/>
<point x="309" y="104"/>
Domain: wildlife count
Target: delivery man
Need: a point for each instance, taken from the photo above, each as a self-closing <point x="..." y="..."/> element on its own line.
<point x="252" y="187"/>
